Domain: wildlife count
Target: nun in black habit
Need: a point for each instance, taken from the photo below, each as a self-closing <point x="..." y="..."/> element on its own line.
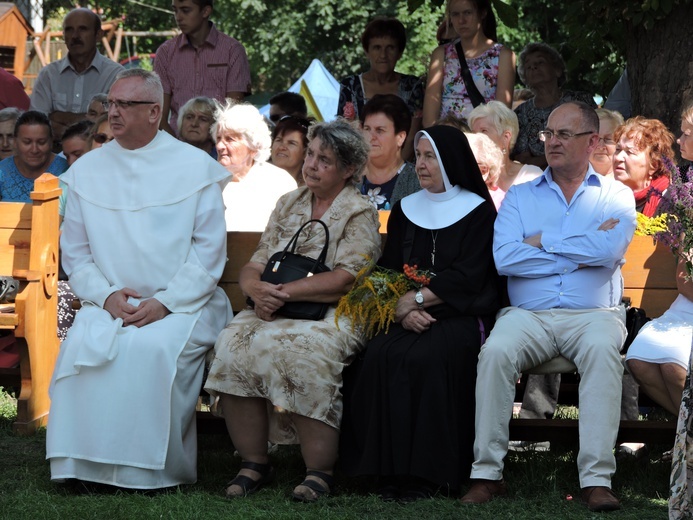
<point x="409" y="397"/>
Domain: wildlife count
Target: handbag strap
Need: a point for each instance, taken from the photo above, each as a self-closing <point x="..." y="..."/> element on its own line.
<point x="472" y="91"/>
<point x="294" y="240"/>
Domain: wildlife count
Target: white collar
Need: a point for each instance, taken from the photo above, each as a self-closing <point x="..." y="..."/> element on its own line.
<point x="439" y="210"/>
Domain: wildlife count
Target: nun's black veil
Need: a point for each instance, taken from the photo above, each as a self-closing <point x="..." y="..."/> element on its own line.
<point x="458" y="160"/>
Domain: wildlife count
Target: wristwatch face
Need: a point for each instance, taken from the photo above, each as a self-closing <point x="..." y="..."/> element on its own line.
<point x="418" y="298"/>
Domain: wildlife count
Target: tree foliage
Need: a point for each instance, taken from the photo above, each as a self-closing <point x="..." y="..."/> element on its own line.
<point x="282" y="37"/>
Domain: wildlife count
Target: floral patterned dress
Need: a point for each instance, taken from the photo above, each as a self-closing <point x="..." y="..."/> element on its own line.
<point x="680" y="506"/>
<point x="297" y="364"/>
<point x="352" y="96"/>
<point x="484" y="70"/>
<point x="384" y="196"/>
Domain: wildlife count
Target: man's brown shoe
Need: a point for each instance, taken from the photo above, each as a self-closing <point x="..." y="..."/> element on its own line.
<point x="600" y="498"/>
<point x="483" y="491"/>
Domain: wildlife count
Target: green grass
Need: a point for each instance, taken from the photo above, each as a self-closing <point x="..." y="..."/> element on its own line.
<point x="539" y="485"/>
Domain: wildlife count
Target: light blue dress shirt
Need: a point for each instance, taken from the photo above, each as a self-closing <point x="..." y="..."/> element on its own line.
<point x="546" y="278"/>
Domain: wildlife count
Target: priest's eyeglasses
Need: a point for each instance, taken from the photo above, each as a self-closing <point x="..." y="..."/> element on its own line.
<point x="117" y="103"/>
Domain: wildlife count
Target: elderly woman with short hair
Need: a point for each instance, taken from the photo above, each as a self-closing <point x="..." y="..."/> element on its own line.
<point x="195" y="120"/>
<point x="543" y="70"/>
<point x="499" y="123"/>
<point x="489" y="158"/>
<point x="8" y="117"/>
<point x="243" y="147"/>
<point x="264" y="361"/>
<point x="602" y="158"/>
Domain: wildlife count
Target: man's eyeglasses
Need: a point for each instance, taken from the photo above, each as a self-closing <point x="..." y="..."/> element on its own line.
<point x="102" y="138"/>
<point x="124" y="104"/>
<point x="561" y="135"/>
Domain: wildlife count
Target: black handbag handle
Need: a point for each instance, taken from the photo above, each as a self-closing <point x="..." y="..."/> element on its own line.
<point x="472" y="91"/>
<point x="294" y="240"/>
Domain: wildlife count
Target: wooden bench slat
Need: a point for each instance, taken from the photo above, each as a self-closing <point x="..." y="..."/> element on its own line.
<point x="654" y="301"/>
<point x="14" y="215"/>
<point x="648" y="265"/>
<point x="9" y="320"/>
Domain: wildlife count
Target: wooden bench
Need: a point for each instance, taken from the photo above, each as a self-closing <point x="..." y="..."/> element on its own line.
<point x="649" y="278"/>
<point x="29" y="253"/>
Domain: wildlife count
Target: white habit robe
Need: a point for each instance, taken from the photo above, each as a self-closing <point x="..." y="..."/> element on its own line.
<point x="123" y="398"/>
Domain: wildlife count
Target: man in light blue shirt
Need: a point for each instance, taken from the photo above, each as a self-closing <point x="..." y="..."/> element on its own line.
<point x="560" y="239"/>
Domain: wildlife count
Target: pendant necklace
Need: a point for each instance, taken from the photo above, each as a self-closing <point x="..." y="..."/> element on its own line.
<point x="434" y="236"/>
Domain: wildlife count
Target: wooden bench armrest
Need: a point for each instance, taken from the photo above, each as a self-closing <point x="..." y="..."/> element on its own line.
<point x="8" y="320"/>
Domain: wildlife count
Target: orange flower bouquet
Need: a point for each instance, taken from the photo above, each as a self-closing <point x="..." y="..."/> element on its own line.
<point x="371" y="303"/>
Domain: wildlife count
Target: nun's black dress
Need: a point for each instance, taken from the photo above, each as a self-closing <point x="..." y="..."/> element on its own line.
<point x="409" y="398"/>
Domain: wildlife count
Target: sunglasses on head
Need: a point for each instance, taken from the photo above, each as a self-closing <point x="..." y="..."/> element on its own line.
<point x="102" y="138"/>
<point x="299" y="120"/>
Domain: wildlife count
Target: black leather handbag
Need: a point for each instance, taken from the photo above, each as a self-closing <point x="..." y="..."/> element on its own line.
<point x="287" y="266"/>
<point x="8" y="289"/>
<point x="635" y="319"/>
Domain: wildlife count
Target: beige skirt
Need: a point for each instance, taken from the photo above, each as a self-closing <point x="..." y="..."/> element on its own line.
<point x="295" y="364"/>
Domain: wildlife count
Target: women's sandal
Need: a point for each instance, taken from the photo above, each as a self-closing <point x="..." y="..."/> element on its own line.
<point x="247" y="484"/>
<point x="314" y="485"/>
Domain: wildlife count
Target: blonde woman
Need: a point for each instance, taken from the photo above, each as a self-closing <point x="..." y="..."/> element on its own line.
<point x="490" y="160"/>
<point x="498" y="122"/>
<point x="602" y="158"/>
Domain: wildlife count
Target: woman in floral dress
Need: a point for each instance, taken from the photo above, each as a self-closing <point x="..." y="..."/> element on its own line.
<point x="492" y="66"/>
<point x="291" y="367"/>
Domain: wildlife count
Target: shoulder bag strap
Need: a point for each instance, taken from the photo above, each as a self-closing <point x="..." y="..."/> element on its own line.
<point x="472" y="91"/>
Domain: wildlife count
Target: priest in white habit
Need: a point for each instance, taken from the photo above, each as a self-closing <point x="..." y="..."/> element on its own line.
<point x="144" y="245"/>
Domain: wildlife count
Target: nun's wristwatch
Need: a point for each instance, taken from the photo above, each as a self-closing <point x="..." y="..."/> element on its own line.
<point x="419" y="299"/>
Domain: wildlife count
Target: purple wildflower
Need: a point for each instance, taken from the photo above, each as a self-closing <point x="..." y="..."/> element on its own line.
<point x="677" y="203"/>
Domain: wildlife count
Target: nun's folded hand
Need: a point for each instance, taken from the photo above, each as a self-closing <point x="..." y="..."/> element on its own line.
<point x="418" y="321"/>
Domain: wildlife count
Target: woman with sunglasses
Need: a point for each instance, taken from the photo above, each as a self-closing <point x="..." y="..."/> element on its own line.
<point x="101" y="133"/>
<point x="289" y="145"/>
